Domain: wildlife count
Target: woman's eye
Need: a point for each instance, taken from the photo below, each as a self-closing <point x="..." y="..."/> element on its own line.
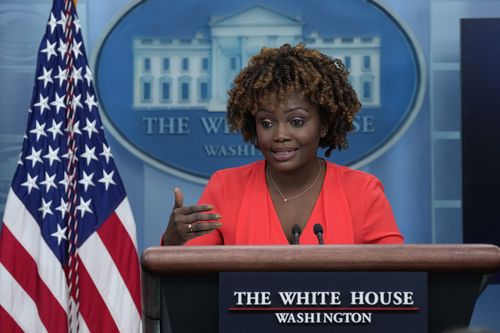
<point x="266" y="123"/>
<point x="297" y="122"/>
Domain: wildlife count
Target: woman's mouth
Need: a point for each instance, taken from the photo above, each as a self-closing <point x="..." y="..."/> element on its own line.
<point x="284" y="154"/>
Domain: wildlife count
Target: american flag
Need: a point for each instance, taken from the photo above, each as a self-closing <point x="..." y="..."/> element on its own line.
<point x="68" y="252"/>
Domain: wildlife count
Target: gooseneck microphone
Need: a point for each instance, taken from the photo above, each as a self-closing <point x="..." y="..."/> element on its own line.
<point x="296" y="234"/>
<point x="318" y="230"/>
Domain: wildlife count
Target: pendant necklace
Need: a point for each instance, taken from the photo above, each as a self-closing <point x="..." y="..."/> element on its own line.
<point x="285" y="199"/>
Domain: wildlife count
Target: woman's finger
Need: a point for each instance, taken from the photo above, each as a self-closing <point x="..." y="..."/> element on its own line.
<point x="179" y="198"/>
<point x="189" y="210"/>
<point x="193" y="218"/>
<point x="203" y="226"/>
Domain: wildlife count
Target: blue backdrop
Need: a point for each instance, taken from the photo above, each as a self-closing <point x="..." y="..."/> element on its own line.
<point x="421" y="172"/>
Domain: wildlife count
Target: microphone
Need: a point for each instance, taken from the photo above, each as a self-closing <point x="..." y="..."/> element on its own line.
<point x="296" y="234"/>
<point x="318" y="230"/>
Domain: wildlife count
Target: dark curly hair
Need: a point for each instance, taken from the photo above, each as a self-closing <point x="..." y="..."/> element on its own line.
<point x="276" y="72"/>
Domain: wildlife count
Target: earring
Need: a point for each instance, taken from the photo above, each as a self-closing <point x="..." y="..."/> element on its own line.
<point x="323" y="134"/>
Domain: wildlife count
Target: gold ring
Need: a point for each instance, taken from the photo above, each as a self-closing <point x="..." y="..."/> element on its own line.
<point x="190" y="227"/>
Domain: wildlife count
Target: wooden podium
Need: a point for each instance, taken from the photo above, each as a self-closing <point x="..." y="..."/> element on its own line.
<point x="180" y="284"/>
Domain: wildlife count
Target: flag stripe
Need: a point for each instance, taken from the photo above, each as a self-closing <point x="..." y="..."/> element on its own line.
<point x="19" y="220"/>
<point x="24" y="270"/>
<point x="7" y="323"/>
<point x="22" y="308"/>
<point x="117" y="241"/>
<point x="102" y="270"/>
<point x="127" y="218"/>
<point x="92" y="307"/>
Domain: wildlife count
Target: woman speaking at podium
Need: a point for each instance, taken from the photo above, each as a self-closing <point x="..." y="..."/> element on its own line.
<point x="288" y="102"/>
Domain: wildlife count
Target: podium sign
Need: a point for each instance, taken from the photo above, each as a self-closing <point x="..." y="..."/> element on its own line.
<point x="323" y="302"/>
<point x="180" y="284"/>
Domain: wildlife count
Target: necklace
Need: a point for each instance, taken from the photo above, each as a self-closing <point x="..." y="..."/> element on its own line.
<point x="285" y="199"/>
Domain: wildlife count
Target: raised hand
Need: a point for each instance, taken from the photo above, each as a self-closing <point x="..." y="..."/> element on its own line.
<point x="189" y="222"/>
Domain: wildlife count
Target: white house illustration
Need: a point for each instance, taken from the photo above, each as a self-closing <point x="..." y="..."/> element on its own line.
<point x="195" y="73"/>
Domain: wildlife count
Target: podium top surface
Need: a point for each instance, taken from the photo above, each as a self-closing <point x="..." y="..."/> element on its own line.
<point x="174" y="260"/>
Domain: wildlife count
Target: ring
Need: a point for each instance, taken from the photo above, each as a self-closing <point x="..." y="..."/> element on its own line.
<point x="190" y="227"/>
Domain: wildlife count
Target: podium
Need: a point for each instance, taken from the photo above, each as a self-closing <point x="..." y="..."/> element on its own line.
<point x="180" y="283"/>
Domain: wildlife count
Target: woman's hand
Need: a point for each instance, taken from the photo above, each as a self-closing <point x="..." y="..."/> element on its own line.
<point x="188" y="222"/>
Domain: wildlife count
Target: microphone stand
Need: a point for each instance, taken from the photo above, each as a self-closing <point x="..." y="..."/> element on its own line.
<point x="318" y="230"/>
<point x="296" y="234"/>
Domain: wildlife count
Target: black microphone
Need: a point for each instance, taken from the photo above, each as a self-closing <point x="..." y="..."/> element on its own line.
<point x="296" y="234"/>
<point x="318" y="230"/>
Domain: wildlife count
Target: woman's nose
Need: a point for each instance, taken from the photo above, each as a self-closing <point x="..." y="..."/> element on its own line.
<point x="281" y="134"/>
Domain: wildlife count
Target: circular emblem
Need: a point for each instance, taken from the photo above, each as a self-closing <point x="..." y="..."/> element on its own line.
<point x="163" y="71"/>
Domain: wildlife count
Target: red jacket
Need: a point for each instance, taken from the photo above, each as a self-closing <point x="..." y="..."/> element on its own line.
<point x="351" y="207"/>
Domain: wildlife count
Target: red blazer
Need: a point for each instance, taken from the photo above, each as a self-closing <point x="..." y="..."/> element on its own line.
<point x="351" y="207"/>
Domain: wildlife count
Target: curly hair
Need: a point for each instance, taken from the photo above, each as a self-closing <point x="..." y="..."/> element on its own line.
<point x="276" y="72"/>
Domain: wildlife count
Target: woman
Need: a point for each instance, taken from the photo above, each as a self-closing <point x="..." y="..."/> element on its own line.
<point x="288" y="102"/>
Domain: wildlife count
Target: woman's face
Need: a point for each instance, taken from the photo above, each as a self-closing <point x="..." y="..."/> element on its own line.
<point x="288" y="132"/>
